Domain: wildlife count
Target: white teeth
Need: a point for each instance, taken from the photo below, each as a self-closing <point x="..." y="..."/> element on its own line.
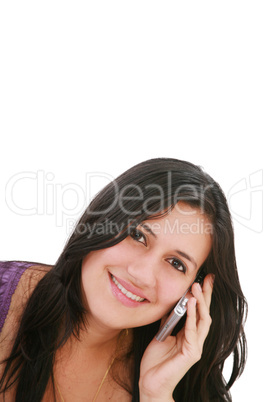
<point x="126" y="292"/>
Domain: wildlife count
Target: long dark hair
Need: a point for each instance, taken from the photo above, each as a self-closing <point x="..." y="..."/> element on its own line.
<point x="55" y="310"/>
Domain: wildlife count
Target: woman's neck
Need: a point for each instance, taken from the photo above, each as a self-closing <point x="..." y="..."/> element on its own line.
<point x="96" y="342"/>
<point x="89" y="357"/>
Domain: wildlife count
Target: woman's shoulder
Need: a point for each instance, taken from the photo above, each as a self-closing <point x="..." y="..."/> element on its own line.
<point x="17" y="281"/>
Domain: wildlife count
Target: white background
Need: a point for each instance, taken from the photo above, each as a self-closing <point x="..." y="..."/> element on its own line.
<point x="90" y="88"/>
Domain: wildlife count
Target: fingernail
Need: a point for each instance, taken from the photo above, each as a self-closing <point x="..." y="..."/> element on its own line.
<point x="199" y="287"/>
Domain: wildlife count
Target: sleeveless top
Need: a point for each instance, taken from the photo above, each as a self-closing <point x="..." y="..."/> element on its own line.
<point x="10" y="274"/>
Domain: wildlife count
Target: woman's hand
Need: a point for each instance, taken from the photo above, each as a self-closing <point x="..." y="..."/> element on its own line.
<point x="165" y="363"/>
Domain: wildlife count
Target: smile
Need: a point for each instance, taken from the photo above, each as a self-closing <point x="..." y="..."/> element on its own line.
<point x="126" y="292"/>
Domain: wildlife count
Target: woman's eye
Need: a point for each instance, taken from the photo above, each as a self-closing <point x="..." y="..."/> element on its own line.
<point x="177" y="264"/>
<point x="138" y="236"/>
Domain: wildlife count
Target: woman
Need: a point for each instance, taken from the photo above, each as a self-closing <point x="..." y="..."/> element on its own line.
<point x="87" y="331"/>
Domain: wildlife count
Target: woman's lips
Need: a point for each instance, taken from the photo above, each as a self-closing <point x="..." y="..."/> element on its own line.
<point x="130" y="287"/>
<point x="126" y="293"/>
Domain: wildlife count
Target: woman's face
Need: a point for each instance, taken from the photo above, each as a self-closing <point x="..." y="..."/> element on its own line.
<point x="139" y="280"/>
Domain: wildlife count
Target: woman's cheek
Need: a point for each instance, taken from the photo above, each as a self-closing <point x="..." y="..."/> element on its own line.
<point x="169" y="297"/>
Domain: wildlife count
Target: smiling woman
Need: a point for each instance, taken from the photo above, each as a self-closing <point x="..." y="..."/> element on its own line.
<point x="87" y="328"/>
<point x="144" y="266"/>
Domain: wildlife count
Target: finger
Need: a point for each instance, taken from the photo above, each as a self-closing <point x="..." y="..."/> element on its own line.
<point x="190" y="324"/>
<point x="208" y="288"/>
<point x="204" y="319"/>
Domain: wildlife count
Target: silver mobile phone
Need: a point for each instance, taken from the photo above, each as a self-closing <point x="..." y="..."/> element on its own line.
<point x="177" y="313"/>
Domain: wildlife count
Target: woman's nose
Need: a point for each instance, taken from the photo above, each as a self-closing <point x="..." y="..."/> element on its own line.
<point x="144" y="270"/>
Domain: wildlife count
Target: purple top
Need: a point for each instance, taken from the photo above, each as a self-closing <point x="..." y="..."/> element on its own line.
<point x="10" y="274"/>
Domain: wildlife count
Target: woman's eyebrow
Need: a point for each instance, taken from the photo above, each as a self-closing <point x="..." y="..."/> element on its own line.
<point x="188" y="257"/>
<point x="148" y="229"/>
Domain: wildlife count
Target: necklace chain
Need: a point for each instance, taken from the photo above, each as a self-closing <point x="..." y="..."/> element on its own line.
<point x="102" y="381"/>
<point x="98" y="390"/>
